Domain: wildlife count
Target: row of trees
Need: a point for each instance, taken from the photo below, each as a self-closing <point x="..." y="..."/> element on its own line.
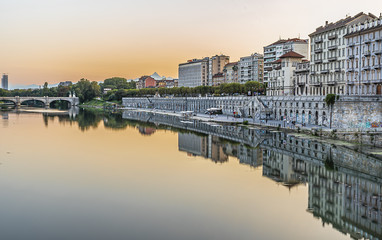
<point x="84" y="89"/>
<point x="87" y="90"/>
<point x="223" y="89"/>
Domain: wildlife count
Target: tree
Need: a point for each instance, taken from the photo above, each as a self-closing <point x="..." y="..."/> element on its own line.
<point x="330" y="99"/>
<point x="87" y="90"/>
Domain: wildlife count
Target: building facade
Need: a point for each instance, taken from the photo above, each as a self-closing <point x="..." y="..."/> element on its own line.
<point x="4" y="82"/>
<point x="217" y="79"/>
<point x="281" y="78"/>
<point x="328" y="47"/>
<point x="275" y="50"/>
<point x="301" y="78"/>
<point x="251" y="68"/>
<point x="216" y="65"/>
<point x="231" y="73"/>
<point x="364" y="58"/>
<point x="193" y="73"/>
<point x="146" y="82"/>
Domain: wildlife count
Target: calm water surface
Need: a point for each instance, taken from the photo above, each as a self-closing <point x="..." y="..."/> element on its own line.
<point x="95" y="176"/>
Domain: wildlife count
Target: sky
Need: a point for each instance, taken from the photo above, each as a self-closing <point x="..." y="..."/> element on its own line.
<point x="66" y="40"/>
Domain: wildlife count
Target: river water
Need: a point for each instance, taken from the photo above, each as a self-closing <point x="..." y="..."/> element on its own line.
<point x="136" y="175"/>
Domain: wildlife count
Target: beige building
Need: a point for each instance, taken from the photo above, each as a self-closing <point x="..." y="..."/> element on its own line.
<point x="217" y="79"/>
<point x="216" y="65"/>
<point x="364" y="58"/>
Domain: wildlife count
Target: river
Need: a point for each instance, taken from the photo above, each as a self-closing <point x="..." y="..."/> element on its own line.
<point x="91" y="175"/>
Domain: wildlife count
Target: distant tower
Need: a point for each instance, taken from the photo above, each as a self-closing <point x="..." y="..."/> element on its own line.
<point x="4" y="81"/>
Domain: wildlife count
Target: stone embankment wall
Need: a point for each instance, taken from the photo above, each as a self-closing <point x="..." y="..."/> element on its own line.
<point x="349" y="113"/>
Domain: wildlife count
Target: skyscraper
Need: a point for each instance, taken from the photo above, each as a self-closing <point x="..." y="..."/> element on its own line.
<point x="4" y="82"/>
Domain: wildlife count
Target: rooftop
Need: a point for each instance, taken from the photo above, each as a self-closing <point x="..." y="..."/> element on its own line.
<point x="291" y="54"/>
<point x="282" y="41"/>
<point x="343" y="22"/>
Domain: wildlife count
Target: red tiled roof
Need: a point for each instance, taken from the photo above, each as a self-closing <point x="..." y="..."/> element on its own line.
<point x="231" y="64"/>
<point x="292" y="54"/>
<point x="277" y="61"/>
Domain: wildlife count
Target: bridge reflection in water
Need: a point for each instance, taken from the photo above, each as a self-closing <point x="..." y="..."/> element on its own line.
<point x="345" y="185"/>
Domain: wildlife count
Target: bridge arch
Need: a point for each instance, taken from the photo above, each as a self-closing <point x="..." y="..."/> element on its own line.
<point x="69" y="102"/>
<point x="5" y="99"/>
<point x="32" y="99"/>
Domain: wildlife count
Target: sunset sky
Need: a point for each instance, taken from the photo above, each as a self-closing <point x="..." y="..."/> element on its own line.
<point x="65" y="40"/>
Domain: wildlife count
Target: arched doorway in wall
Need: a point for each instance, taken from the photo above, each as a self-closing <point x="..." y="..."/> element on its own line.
<point x="316" y="118"/>
<point x="297" y="117"/>
<point x="323" y="91"/>
<point x="379" y="89"/>
<point x="324" y="119"/>
<point x="310" y="118"/>
<point x="280" y="116"/>
<point x="303" y="117"/>
<point x="286" y="114"/>
<point x="291" y="115"/>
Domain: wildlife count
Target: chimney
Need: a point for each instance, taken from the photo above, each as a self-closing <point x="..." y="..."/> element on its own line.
<point x="326" y="23"/>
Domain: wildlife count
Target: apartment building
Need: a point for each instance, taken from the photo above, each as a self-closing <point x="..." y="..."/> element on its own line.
<point x="193" y="73"/>
<point x="328" y="47"/>
<point x="216" y="65"/>
<point x="251" y="68"/>
<point x="301" y="78"/>
<point x="280" y="78"/>
<point x="364" y="58"/>
<point x="217" y="79"/>
<point x="275" y="50"/>
<point x="230" y="72"/>
<point x="4" y="81"/>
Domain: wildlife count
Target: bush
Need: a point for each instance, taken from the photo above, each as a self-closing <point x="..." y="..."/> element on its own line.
<point x="245" y="122"/>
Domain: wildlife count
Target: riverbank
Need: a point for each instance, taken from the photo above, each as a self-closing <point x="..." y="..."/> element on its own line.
<point x="371" y="138"/>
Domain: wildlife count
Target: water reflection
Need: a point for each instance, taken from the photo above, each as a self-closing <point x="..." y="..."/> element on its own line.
<point x="344" y="184"/>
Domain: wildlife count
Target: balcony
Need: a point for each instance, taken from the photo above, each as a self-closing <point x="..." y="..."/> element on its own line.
<point x="351" y="44"/>
<point x="315" y="83"/>
<point x="312" y="73"/>
<point x="318" y="40"/>
<point x="332" y="47"/>
<point x="350" y="69"/>
<point x="318" y="61"/>
<point x="331" y="82"/>
<point x="377" y="52"/>
<point x="326" y="71"/>
<point x="366" y="53"/>
<point x="351" y="56"/>
<point x="301" y="83"/>
<point x="377" y="66"/>
<point x="376" y="81"/>
<point x="366" y="68"/>
<point x="333" y="36"/>
<point x="378" y="39"/>
<point x="318" y="50"/>
<point x="337" y="70"/>
<point x="331" y="59"/>
<point x="366" y="41"/>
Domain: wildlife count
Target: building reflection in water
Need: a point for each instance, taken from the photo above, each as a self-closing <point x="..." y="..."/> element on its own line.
<point x="345" y="186"/>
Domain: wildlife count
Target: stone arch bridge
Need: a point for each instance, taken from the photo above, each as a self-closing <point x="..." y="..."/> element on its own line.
<point x="74" y="101"/>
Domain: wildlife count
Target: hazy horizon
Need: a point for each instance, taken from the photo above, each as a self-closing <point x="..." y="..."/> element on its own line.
<point x="54" y="41"/>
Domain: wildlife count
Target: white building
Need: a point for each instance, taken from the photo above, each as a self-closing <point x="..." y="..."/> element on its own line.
<point x="193" y="73"/>
<point x="281" y="81"/>
<point x="251" y="68"/>
<point x="273" y="51"/>
<point x="301" y="78"/>
<point x="364" y="58"/>
<point x="328" y="58"/>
